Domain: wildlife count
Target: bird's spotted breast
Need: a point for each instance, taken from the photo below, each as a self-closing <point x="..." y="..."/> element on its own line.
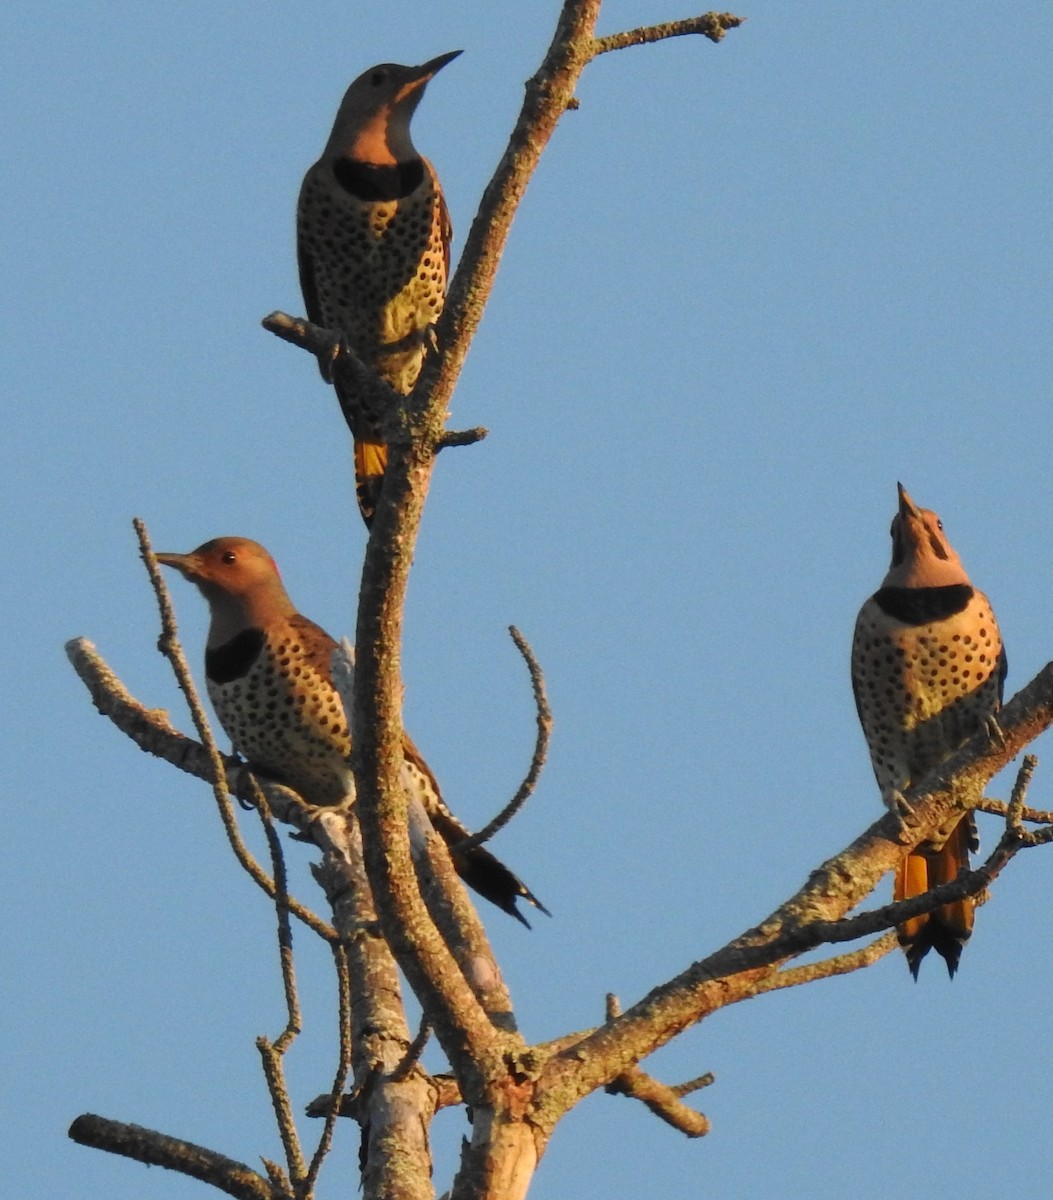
<point x="376" y="268"/>
<point x="922" y="690"/>
<point x="284" y="716"/>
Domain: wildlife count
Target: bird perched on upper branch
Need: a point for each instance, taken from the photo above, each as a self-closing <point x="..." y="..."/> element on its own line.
<point x="373" y="242"/>
<point x="927" y="672"/>
<point x="268" y="674"/>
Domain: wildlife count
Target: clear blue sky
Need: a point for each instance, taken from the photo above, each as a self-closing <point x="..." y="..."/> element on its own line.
<point x="751" y="286"/>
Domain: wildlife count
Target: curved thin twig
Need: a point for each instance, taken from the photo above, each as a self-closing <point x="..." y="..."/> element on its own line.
<point x="272" y="1054"/>
<point x="544" y="734"/>
<point x="343" y="1067"/>
<point x="294" y="1018"/>
<point x="274" y="1073"/>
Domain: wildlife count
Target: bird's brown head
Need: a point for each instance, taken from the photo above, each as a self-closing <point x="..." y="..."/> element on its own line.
<point x="921" y="554"/>
<point x="373" y="122"/>
<point x="240" y="581"/>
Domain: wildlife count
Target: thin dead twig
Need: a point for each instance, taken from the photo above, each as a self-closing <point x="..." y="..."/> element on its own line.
<point x="1014" y="818"/>
<point x="999" y="808"/>
<point x="828" y="968"/>
<point x="661" y="1100"/>
<point x="537" y="762"/>
<point x="710" y="25"/>
<point x="272" y="1054"/>
<point x="343" y="1068"/>
<point x="294" y="1019"/>
<point x="274" y="1072"/>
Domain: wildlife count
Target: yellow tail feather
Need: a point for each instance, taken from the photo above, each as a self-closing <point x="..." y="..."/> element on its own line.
<point x="371" y="458"/>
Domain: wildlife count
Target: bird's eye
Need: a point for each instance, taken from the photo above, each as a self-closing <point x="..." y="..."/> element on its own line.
<point x="378" y="77"/>
<point x="229" y="557"/>
<point x="939" y="525"/>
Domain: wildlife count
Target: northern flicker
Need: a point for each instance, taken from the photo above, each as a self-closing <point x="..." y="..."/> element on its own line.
<point x="268" y="676"/>
<point x="927" y="672"/>
<point x="373" y="242"/>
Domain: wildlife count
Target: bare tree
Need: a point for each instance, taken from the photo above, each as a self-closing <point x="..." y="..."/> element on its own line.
<point x="397" y="909"/>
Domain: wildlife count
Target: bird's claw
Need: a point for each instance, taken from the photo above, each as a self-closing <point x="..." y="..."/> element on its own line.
<point x="899" y="804"/>
<point x="994" y="731"/>
<point x="327" y="358"/>
<point x="901" y="809"/>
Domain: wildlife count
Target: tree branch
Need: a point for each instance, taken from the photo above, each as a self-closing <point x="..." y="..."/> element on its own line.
<point x="272" y="1053"/>
<point x="456" y="918"/>
<point x="393" y="1105"/>
<point x="344" y="1060"/>
<point x="544" y="733"/>
<point x="476" y="1052"/>
<point x="159" y="1150"/>
<point x="662" y="1100"/>
<point x="480" y="1057"/>
<point x="444" y="895"/>
<point x="462" y="437"/>
<point x="711" y="25"/>
<point x="841" y="964"/>
<point x="810" y="917"/>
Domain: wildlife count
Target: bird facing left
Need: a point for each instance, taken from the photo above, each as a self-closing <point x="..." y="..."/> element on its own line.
<point x="267" y="668"/>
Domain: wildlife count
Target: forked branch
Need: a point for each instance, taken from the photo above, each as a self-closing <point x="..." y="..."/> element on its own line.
<point x="663" y="1100"/>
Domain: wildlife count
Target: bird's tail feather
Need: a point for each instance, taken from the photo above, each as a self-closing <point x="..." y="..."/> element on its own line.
<point x="371" y="458"/>
<point x="948" y="928"/>
<point x="482" y="871"/>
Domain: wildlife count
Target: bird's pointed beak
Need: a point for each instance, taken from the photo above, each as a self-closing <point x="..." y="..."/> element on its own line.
<point x="185" y="564"/>
<point x="907" y="507"/>
<point x="430" y="69"/>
